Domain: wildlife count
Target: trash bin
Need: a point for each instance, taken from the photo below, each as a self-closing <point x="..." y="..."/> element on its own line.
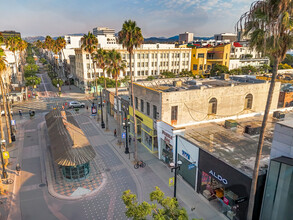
<point x="12" y="137"/>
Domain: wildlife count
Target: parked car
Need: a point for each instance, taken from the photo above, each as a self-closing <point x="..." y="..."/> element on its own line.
<point x="76" y="104"/>
<point x="3" y="112"/>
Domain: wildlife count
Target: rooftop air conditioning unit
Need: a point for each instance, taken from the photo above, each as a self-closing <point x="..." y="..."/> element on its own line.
<point x="177" y="83"/>
<point x="279" y="115"/>
<point x="230" y="124"/>
<point x="252" y="130"/>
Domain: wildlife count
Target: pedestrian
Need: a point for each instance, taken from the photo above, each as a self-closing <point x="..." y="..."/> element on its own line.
<point x="129" y="139"/>
<point x="115" y="133"/>
<point x="20" y="112"/>
<point x="17" y="168"/>
<point x="87" y="108"/>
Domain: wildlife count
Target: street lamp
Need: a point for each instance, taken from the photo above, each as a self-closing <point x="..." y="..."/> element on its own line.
<point x="175" y="166"/>
<point x="101" y="104"/>
<point x="126" y="124"/>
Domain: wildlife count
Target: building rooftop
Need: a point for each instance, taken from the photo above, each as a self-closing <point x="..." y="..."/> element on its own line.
<point x="189" y="83"/>
<point x="235" y="147"/>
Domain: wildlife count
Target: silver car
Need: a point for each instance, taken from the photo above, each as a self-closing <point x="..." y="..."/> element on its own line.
<point x="76" y="104"/>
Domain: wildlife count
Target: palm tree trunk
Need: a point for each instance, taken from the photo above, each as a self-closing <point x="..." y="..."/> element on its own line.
<point x="133" y="107"/>
<point x="2" y="138"/>
<point x="5" y="111"/>
<point x="118" y="113"/>
<point x="96" y="91"/>
<point x="106" y="103"/>
<point x="261" y="140"/>
<point x="16" y="64"/>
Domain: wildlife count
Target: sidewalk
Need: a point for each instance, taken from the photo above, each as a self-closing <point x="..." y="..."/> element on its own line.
<point x="194" y="203"/>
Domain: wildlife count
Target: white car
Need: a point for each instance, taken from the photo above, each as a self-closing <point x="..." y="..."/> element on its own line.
<point x="75" y="104"/>
<point x="3" y="112"/>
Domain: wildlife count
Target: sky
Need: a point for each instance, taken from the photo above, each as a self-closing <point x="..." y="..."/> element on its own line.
<point x="156" y="18"/>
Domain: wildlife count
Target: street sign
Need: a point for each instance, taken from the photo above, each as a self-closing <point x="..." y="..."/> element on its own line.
<point x="13" y="122"/>
<point x="171" y="181"/>
<point x="123" y="135"/>
<point x="5" y="155"/>
<point x="191" y="166"/>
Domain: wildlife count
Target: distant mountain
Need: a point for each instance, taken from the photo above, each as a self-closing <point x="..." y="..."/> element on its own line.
<point x="33" y="39"/>
<point x="171" y="39"/>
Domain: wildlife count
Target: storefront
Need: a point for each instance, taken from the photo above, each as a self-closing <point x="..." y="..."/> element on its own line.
<point x="188" y="155"/>
<point x="146" y="134"/>
<point x="225" y="187"/>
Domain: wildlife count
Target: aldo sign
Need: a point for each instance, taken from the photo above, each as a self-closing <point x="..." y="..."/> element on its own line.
<point x="218" y="177"/>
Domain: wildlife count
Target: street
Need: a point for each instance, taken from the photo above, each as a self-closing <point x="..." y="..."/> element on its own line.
<point x="33" y="197"/>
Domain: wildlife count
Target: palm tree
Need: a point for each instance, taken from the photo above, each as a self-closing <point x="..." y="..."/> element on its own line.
<point x="269" y="24"/>
<point x="49" y="44"/>
<point x="2" y="69"/>
<point x="115" y="66"/>
<point x="89" y="43"/>
<point x="22" y="45"/>
<point x="131" y="37"/>
<point x="61" y="44"/>
<point x="12" y="45"/>
<point x="102" y="57"/>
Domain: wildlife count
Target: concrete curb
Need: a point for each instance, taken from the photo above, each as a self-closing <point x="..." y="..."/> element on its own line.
<point x="49" y="176"/>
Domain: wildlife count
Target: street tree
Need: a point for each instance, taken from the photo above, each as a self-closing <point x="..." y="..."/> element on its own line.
<point x="32" y="81"/>
<point x="186" y="73"/>
<point x="12" y="45"/>
<point x="131" y="37"/>
<point x="269" y="23"/>
<point x="22" y="45"/>
<point x="101" y="57"/>
<point x="161" y="208"/>
<point x="61" y="44"/>
<point x="168" y="74"/>
<point x="218" y="69"/>
<point x="115" y="66"/>
<point x="89" y="43"/>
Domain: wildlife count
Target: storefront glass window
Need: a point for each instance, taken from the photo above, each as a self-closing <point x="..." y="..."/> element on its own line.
<point x="147" y="140"/>
<point x="166" y="152"/>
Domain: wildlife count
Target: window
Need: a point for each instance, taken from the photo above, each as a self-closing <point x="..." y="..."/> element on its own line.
<point x="152" y="63"/>
<point x="146" y="64"/>
<point x="88" y="66"/>
<point x="193" y="55"/>
<point x="136" y="102"/>
<point x="147" y="56"/>
<point x="138" y="56"/>
<point x="248" y="101"/>
<point x="200" y="55"/>
<point x="154" y="112"/>
<point x="87" y="56"/>
<point x="141" y="105"/>
<point x="142" y="56"/>
<point x="174" y="113"/>
<point x="200" y="67"/>
<point x="153" y="55"/>
<point x="148" y="108"/>
<point x="226" y="56"/>
<point x="212" y="106"/>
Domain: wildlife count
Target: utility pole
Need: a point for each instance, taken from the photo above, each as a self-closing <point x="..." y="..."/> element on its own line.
<point x="175" y="167"/>
<point x="126" y="128"/>
<point x="101" y="104"/>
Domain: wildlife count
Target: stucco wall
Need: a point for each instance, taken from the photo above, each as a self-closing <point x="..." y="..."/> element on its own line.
<point x="193" y="104"/>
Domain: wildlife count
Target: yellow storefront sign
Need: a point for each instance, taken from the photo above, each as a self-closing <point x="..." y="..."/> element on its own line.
<point x="6" y="155"/>
<point x="171" y="181"/>
<point x="145" y="119"/>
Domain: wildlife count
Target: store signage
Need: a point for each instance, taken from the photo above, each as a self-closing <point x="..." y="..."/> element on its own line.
<point x="218" y="177"/>
<point x="186" y="155"/>
<point x="167" y="136"/>
<point x="6" y="155"/>
<point x="240" y="200"/>
<point x="226" y="201"/>
<point x="123" y="135"/>
<point x="191" y="166"/>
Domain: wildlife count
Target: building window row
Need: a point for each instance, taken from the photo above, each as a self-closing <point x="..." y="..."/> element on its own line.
<point x="148" y="108"/>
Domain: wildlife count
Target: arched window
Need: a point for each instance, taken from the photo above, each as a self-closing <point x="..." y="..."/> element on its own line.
<point x="248" y="101"/>
<point x="212" y="106"/>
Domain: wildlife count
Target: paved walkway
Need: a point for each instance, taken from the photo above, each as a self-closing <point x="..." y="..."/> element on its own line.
<point x="157" y="174"/>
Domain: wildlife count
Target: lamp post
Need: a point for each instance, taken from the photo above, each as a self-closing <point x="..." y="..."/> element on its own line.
<point x="125" y="126"/>
<point x="101" y="104"/>
<point x="175" y="166"/>
<point x="4" y="173"/>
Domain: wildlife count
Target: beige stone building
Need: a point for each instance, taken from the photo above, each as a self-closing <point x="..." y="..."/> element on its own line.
<point x="183" y="102"/>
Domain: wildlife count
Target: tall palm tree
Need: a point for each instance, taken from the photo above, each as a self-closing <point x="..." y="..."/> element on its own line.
<point x="131" y="37"/>
<point x="12" y="45"/>
<point x="22" y="45"/>
<point x="269" y="24"/>
<point x="49" y="44"/>
<point x="115" y="66"/>
<point x="89" y="43"/>
<point x="102" y="57"/>
<point x="2" y="69"/>
<point x="61" y="44"/>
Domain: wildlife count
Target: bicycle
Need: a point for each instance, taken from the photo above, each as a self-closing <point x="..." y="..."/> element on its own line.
<point x="7" y="181"/>
<point x="139" y="164"/>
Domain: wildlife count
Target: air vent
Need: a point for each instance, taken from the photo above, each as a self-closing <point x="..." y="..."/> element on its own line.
<point x="252" y="130"/>
<point x="230" y="124"/>
<point x="279" y="115"/>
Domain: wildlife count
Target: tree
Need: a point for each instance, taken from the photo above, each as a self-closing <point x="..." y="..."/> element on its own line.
<point x="162" y="207"/>
<point x="218" y="69"/>
<point x="89" y="43"/>
<point x="168" y="74"/>
<point x="101" y="57"/>
<point x="22" y="45"/>
<point x="57" y="82"/>
<point x="237" y="71"/>
<point x="186" y="73"/>
<point x="61" y="44"/>
<point x="32" y="81"/>
<point x="284" y="66"/>
<point x="12" y="45"/>
<point x="131" y="37"/>
<point x="269" y="24"/>
<point x="247" y="70"/>
<point x="115" y="66"/>
<point x="30" y="70"/>
<point x="288" y="60"/>
<point x="150" y="78"/>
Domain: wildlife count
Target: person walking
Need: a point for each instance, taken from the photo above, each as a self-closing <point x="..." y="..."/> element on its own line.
<point x="129" y="139"/>
<point x="115" y="133"/>
<point x="20" y="112"/>
<point x="17" y="168"/>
